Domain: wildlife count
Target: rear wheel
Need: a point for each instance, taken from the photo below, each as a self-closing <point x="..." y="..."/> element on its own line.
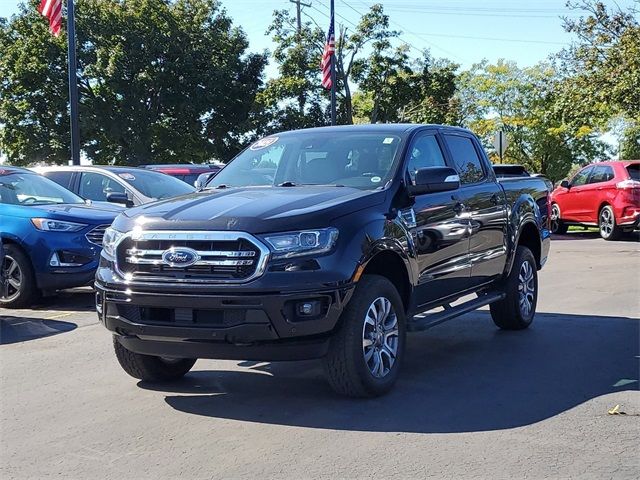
<point x="557" y="225"/>
<point x="607" y="224"/>
<point x="17" y="282"/>
<point x="517" y="310"/>
<point x="150" y="368"/>
<point x="365" y="354"/>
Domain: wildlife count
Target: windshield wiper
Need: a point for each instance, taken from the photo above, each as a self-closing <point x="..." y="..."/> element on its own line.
<point x="223" y="185"/>
<point x="288" y="183"/>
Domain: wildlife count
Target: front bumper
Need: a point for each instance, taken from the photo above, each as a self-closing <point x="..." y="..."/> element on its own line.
<point x="256" y="326"/>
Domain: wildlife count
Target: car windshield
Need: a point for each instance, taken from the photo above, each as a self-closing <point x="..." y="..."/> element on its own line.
<point x="359" y="160"/>
<point x="33" y="189"/>
<point x="155" y="184"/>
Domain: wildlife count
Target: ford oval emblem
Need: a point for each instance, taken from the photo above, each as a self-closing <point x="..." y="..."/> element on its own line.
<point x="180" y="257"/>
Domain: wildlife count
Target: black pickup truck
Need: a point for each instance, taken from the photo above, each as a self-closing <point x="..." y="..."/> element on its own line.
<point x="324" y="243"/>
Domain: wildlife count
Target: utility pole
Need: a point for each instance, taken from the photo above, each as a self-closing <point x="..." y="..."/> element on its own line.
<point x="299" y="6"/>
<point x="73" y="84"/>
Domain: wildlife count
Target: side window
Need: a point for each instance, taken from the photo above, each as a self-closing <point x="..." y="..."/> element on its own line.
<point x="96" y="186"/>
<point x="581" y="177"/>
<point x="602" y="173"/>
<point x="61" y="178"/>
<point x="424" y="152"/>
<point x="466" y="159"/>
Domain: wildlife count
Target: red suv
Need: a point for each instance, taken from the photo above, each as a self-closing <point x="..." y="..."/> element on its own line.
<point x="605" y="194"/>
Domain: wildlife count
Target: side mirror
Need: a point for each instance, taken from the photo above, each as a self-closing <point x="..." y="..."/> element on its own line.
<point x="202" y="180"/>
<point x="119" y="197"/>
<point x="435" y="179"/>
<point x="565" y="184"/>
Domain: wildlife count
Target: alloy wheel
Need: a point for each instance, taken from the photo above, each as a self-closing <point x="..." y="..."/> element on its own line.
<point x="526" y="288"/>
<point x="380" y="337"/>
<point x="555" y="218"/>
<point x="12" y="275"/>
<point x="606" y="222"/>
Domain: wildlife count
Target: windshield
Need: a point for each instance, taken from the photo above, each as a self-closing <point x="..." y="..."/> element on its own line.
<point x="359" y="160"/>
<point x="155" y="184"/>
<point x="33" y="189"/>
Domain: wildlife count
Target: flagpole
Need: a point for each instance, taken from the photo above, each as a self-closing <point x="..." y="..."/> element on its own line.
<point x="73" y="84"/>
<point x="333" y="72"/>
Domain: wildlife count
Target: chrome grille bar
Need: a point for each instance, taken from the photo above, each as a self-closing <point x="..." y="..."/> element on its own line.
<point x="203" y="253"/>
<point x="158" y="261"/>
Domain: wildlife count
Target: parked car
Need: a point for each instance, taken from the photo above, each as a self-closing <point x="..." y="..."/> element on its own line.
<point x="326" y="243"/>
<point x="606" y="195"/>
<point x="51" y="238"/>
<point x="125" y="185"/>
<point x="187" y="172"/>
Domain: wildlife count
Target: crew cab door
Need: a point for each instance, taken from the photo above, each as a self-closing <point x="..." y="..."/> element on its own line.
<point x="484" y="205"/>
<point x="439" y="227"/>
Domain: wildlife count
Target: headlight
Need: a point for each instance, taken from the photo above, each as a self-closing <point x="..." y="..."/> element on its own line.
<point x="110" y="240"/>
<point x="48" y="225"/>
<point x="307" y="242"/>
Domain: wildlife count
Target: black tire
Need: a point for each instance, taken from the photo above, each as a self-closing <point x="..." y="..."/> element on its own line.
<point x="511" y="313"/>
<point x="20" y="290"/>
<point x="346" y="368"/>
<point x="607" y="224"/>
<point x="557" y="226"/>
<point x="150" y="368"/>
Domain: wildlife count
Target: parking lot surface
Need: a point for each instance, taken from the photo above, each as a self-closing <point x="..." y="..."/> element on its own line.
<point x="472" y="401"/>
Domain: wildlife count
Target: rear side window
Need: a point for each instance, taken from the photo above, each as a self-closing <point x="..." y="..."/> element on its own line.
<point x="602" y="173"/>
<point x="425" y="152"/>
<point x="61" y="178"/>
<point x="634" y="171"/>
<point x="581" y="177"/>
<point x="465" y="158"/>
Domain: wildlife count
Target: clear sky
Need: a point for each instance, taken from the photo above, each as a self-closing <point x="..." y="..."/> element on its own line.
<point x="465" y="31"/>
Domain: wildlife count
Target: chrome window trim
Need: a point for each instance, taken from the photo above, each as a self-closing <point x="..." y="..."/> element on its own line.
<point x="191" y="235"/>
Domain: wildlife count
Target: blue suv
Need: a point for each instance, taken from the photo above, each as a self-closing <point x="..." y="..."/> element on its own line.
<point x="50" y="237"/>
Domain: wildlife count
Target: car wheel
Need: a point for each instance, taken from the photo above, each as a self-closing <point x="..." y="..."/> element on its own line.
<point x="150" y="368"/>
<point x="17" y="282"/>
<point x="518" y="308"/>
<point x="607" y="224"/>
<point x="557" y="226"/>
<point x="366" y="352"/>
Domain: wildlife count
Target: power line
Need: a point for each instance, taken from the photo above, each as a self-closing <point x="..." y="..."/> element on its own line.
<point x="517" y="40"/>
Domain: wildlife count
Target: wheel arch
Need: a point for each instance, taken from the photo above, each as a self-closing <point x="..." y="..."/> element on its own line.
<point x="389" y="264"/>
<point x="530" y="237"/>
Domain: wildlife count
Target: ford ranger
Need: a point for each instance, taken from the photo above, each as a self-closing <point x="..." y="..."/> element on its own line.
<point x="328" y="243"/>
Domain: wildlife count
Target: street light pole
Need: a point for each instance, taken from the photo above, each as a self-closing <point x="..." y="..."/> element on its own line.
<point x="73" y="84"/>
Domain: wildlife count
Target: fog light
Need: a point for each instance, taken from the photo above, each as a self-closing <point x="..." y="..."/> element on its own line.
<point x="309" y="308"/>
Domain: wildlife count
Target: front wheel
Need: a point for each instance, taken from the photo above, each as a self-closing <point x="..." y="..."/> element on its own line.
<point x="517" y="309"/>
<point x="17" y="282"/>
<point x="607" y="224"/>
<point x="365" y="354"/>
<point x="557" y="226"/>
<point x="150" y="368"/>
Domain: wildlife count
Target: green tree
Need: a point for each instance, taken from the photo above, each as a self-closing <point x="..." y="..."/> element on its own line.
<point x="159" y="81"/>
<point x="532" y="106"/>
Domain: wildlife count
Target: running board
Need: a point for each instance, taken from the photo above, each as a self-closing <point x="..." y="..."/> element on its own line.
<point x="418" y="324"/>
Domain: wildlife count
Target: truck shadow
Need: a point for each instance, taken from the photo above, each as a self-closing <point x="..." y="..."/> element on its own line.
<point x="20" y="329"/>
<point x="464" y="376"/>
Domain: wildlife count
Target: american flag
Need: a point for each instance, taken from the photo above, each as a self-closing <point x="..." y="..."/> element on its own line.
<point x="52" y="9"/>
<point x="329" y="51"/>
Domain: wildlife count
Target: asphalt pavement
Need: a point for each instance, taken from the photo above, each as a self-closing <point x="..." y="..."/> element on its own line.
<point x="472" y="401"/>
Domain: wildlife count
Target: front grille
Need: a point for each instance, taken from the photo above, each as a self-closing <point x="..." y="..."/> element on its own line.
<point x="95" y="235"/>
<point x="226" y="257"/>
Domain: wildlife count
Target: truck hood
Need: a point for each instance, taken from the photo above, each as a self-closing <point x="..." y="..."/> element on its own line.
<point x="251" y="209"/>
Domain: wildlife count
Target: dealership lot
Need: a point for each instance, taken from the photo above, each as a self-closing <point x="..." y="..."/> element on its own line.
<point x="472" y="401"/>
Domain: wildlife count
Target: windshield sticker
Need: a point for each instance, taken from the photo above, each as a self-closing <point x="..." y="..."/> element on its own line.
<point x="263" y="143"/>
<point x="388" y="140"/>
<point x="376" y="179"/>
<point x="127" y="176"/>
